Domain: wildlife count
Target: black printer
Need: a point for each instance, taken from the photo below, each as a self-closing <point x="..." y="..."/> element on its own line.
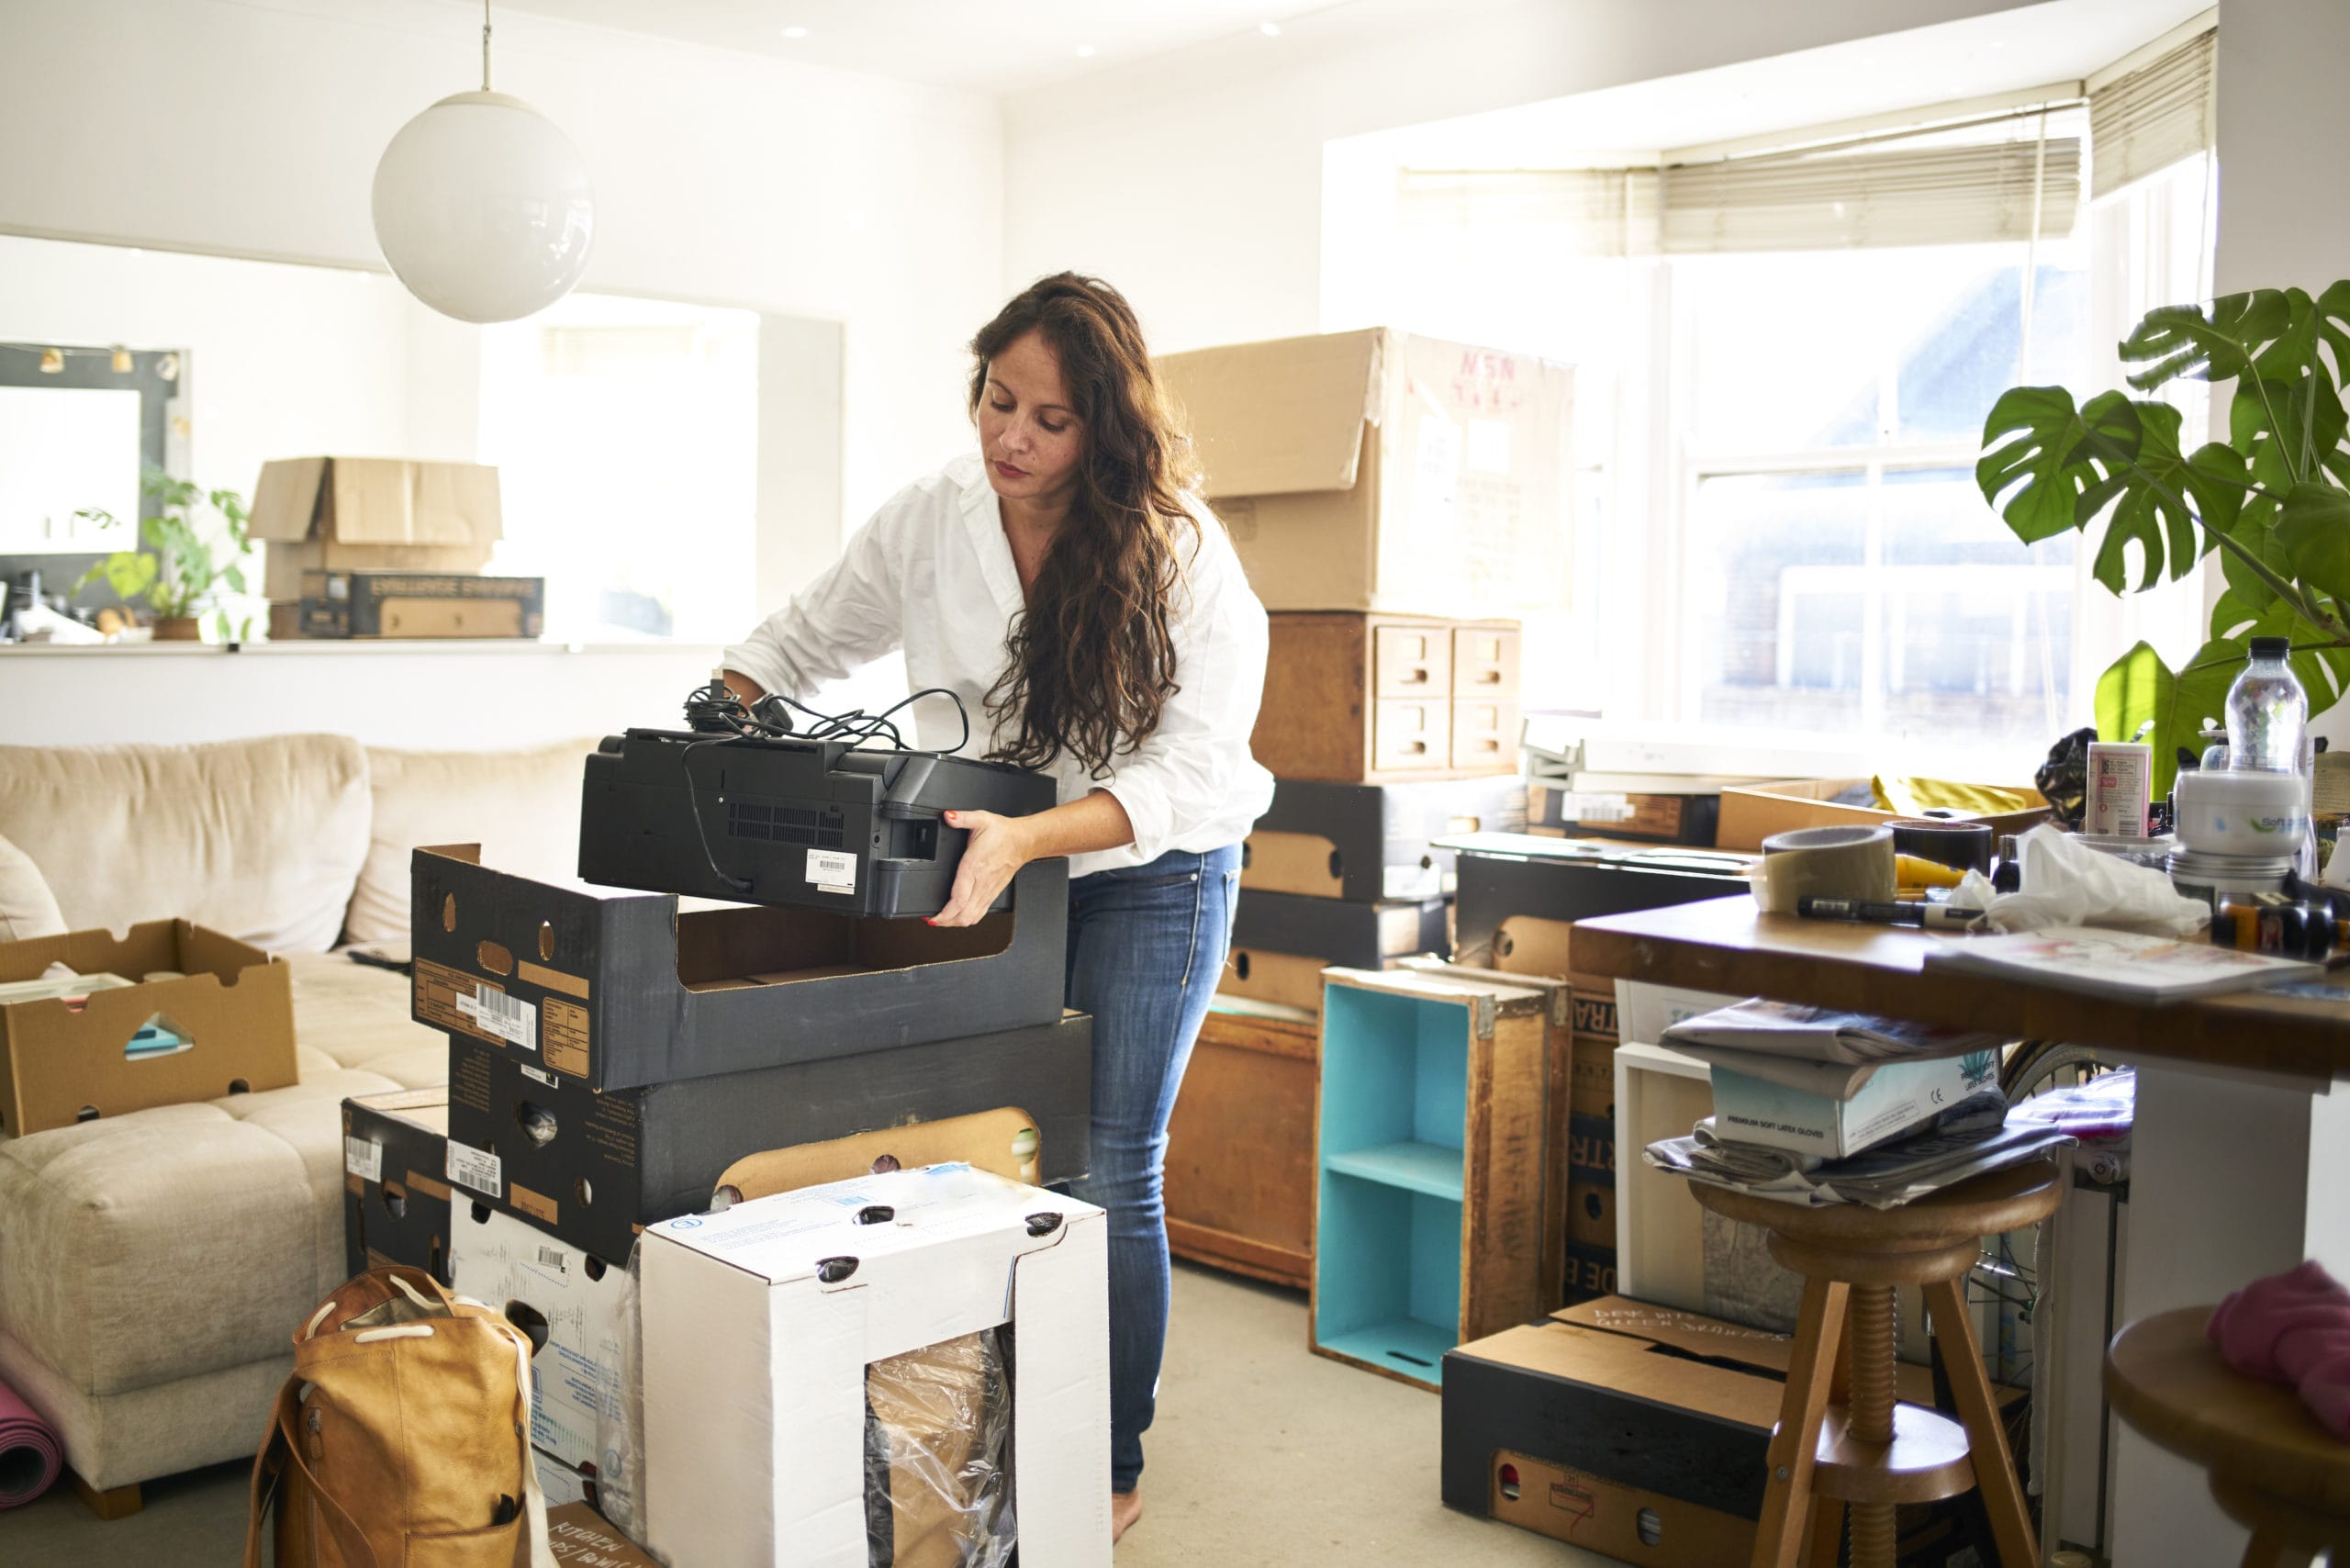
<point x="789" y="819"/>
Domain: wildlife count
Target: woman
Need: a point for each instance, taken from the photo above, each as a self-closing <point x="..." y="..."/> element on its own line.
<point x="1066" y="585"/>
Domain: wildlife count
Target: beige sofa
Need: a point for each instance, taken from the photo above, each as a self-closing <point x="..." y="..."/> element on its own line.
<point x="154" y="1265"/>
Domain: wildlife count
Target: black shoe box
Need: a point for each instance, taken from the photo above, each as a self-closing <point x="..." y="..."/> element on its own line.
<point x="594" y="1169"/>
<point x="395" y="1187"/>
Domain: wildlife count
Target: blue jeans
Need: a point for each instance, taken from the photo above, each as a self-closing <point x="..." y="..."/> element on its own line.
<point x="1146" y="946"/>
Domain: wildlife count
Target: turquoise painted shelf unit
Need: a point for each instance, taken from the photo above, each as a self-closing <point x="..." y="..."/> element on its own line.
<point x="1433" y="1162"/>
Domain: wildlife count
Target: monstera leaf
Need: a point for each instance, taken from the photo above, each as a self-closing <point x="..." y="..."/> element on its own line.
<point x="2274" y="329"/>
<point x="2139" y="688"/>
<point x="2057" y="465"/>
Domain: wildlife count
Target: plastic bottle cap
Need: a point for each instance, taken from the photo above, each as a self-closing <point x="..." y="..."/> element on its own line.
<point x="2271" y="647"/>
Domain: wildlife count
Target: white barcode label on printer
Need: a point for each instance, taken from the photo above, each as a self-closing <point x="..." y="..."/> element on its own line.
<point x="833" y="871"/>
<point x="509" y="1017"/>
<point x="362" y="1158"/>
<point x="476" y="1167"/>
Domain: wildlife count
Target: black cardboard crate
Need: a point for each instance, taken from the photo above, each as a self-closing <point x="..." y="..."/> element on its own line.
<point x="421" y="604"/>
<point x="1507" y="875"/>
<point x="616" y="989"/>
<point x="1353" y="935"/>
<point x="1365" y="843"/>
<point x="612" y="1163"/>
<point x="1685" y="819"/>
<point x="394" y="1192"/>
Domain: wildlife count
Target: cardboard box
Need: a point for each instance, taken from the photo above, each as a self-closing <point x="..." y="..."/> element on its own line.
<point x="594" y="1169"/>
<point x="1690" y="819"/>
<point x="379" y="514"/>
<point x="1365" y="843"/>
<point x="1752" y="813"/>
<point x="570" y="1303"/>
<point x="562" y="1486"/>
<point x="582" y="1537"/>
<point x="395" y="1189"/>
<point x="420" y="604"/>
<point x="1897" y="1095"/>
<point x="1358" y="935"/>
<point x="1647" y="1010"/>
<point x="225" y="1028"/>
<point x="1591" y="1272"/>
<point x="616" y="989"/>
<point x="1637" y="1431"/>
<point x="759" y="1325"/>
<point x="1376" y="470"/>
<point x="1505" y="876"/>
<point x="1239" y="1187"/>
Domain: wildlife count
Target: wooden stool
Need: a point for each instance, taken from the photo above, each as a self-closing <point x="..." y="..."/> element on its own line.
<point x="2271" y="1466"/>
<point x="1842" y="1438"/>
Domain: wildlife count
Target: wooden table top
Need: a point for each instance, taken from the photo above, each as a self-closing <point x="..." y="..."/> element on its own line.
<point x="1725" y="945"/>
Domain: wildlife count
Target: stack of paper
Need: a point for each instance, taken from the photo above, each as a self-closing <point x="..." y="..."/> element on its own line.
<point x="1884" y="1177"/>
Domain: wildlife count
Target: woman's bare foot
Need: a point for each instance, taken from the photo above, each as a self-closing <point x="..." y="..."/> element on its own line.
<point x="1125" y="1508"/>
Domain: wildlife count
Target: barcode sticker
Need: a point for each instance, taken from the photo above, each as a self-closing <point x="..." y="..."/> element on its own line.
<point x="507" y="1016"/>
<point x="541" y="1074"/>
<point x="476" y="1167"/>
<point x="364" y="1158"/>
<point x="833" y="871"/>
<point x="554" y="1258"/>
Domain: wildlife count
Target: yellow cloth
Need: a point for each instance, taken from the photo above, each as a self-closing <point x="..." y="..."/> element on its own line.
<point x="1914" y="797"/>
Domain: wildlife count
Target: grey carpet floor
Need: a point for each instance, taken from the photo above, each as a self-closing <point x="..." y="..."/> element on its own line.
<point x="1263" y="1454"/>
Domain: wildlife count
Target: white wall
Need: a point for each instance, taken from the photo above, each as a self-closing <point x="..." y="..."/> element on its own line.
<point x="255" y="129"/>
<point x="1195" y="183"/>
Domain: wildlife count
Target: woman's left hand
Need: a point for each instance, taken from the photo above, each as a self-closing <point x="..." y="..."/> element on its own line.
<point x="997" y="849"/>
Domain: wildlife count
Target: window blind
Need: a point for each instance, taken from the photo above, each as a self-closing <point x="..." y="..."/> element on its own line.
<point x="1989" y="180"/>
<point x="2145" y="119"/>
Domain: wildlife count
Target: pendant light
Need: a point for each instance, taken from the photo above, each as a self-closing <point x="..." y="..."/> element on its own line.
<point x="483" y="206"/>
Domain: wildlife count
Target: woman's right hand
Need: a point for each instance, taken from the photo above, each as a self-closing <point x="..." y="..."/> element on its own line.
<point x="745" y="687"/>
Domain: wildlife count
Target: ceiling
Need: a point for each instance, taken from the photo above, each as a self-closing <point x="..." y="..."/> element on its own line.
<point x="989" y="46"/>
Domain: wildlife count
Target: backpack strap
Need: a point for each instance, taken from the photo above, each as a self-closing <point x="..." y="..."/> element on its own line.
<point x="283" y="1448"/>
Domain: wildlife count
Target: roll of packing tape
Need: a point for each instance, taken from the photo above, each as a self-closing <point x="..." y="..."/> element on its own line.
<point x="1824" y="862"/>
<point x="1967" y="846"/>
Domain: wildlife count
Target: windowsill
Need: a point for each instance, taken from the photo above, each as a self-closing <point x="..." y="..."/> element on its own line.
<point x="340" y="647"/>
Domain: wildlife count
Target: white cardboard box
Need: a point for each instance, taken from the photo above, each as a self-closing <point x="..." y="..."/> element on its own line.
<point x="511" y="1265"/>
<point x="1897" y="1094"/>
<point x="1644" y="1010"/>
<point x="759" y="1322"/>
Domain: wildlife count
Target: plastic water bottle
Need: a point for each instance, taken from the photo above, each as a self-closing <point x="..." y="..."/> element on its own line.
<point x="2267" y="711"/>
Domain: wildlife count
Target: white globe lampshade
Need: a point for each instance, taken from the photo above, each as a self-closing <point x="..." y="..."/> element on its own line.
<point x="484" y="208"/>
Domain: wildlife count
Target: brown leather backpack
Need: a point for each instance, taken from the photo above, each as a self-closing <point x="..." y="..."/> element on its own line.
<point x="402" y="1440"/>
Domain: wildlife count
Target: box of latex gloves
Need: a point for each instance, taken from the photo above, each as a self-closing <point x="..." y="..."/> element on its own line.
<point x="826" y="1376"/>
<point x="1829" y="1083"/>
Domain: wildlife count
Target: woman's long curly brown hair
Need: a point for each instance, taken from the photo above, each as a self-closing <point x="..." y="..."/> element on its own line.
<point x="1092" y="661"/>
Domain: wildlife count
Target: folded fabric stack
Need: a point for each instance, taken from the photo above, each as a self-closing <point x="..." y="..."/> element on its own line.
<point x="1816" y="1106"/>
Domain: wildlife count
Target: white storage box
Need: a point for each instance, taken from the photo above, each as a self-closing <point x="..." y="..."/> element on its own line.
<point x="759" y="1323"/>
<point x="1895" y="1095"/>
<point x="1644" y="1010"/>
<point x="535" y="1280"/>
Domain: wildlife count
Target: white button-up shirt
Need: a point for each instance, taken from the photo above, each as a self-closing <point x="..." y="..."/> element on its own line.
<point x="932" y="572"/>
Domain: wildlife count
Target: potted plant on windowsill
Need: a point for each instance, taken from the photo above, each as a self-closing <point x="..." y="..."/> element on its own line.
<point x="2271" y="499"/>
<point x="182" y="577"/>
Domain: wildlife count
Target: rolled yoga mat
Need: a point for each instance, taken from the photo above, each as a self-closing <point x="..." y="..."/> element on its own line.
<point x="29" y="1455"/>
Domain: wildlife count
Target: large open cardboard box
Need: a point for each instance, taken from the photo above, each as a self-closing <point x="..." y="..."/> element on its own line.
<point x="1378" y="470"/>
<point x="373" y="514"/>
<point x="617" y="988"/>
<point x="1752" y="813"/>
<point x="66" y="1060"/>
<point x="1637" y="1431"/>
<point x="759" y="1324"/>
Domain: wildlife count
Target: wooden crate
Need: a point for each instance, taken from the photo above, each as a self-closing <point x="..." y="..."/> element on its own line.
<point x="1433" y="1208"/>
<point x="1240" y="1147"/>
<point x="1370" y="699"/>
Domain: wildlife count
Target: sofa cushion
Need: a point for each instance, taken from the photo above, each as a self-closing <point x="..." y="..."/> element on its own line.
<point x="522" y="807"/>
<point x="357" y="1015"/>
<point x="28" y="909"/>
<point x="261" y="839"/>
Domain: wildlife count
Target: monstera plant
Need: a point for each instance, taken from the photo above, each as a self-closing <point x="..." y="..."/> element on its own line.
<point x="2271" y="499"/>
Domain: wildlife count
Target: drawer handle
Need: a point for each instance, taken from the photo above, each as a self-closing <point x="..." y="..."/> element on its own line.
<point x="1488" y="677"/>
<point x="1416" y="676"/>
<point x="1415" y="748"/>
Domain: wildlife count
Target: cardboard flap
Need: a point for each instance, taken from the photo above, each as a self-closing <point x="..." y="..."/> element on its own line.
<point x="383" y="500"/>
<point x="1279" y="418"/>
<point x="285" y="499"/>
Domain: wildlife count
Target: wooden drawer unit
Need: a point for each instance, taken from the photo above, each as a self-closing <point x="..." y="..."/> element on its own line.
<point x="1240" y="1148"/>
<point x="1485" y="661"/>
<point x="1354" y="698"/>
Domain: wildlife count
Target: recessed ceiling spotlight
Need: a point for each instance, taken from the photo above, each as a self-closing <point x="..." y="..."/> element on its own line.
<point x="1085" y="52"/>
<point x="1270" y="29"/>
<point x="795" y="33"/>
